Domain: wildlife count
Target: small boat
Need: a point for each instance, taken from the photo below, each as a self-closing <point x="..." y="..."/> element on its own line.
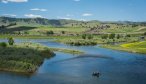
<point x="96" y="74"/>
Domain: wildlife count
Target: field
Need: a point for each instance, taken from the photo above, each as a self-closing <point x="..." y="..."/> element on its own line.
<point x="136" y="47"/>
<point x="73" y="32"/>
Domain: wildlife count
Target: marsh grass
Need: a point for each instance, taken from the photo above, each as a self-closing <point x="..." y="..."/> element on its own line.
<point x="23" y="57"/>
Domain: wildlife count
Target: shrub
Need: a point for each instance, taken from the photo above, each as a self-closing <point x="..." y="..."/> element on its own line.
<point x="104" y="36"/>
<point x="118" y="36"/>
<point x="90" y="36"/>
<point x="84" y="36"/>
<point x="26" y="32"/>
<point x="144" y="33"/>
<point x="3" y="44"/>
<point x="11" y="41"/>
<point x="128" y="35"/>
<point x="50" y="32"/>
<point x="112" y="36"/>
<point x="63" y="32"/>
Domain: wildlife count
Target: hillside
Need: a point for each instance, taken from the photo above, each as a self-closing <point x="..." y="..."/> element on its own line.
<point x="36" y="21"/>
<point x="42" y="26"/>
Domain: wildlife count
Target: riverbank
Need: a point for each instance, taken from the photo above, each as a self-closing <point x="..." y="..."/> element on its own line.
<point x="26" y="57"/>
<point x="70" y="51"/>
<point x="135" y="47"/>
<point x="74" y="40"/>
<point x="27" y="37"/>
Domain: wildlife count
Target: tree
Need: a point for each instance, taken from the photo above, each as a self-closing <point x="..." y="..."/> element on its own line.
<point x="112" y="36"/>
<point x="11" y="41"/>
<point x="134" y="25"/>
<point x="118" y="36"/>
<point x="3" y="44"/>
<point x="105" y="36"/>
<point x="63" y="32"/>
<point x="50" y="32"/>
<point x="26" y="32"/>
<point x="84" y="36"/>
<point x="144" y="33"/>
<point x="128" y="35"/>
<point x="90" y="36"/>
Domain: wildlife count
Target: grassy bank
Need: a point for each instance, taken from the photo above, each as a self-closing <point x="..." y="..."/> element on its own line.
<point x="27" y="57"/>
<point x="27" y="36"/>
<point x="67" y="51"/>
<point x="136" y="47"/>
<point x="23" y="57"/>
<point x="70" y="51"/>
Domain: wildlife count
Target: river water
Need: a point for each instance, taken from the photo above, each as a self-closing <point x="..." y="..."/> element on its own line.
<point x="116" y="67"/>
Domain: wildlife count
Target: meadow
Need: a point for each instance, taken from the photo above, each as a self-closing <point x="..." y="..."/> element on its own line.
<point x="135" y="47"/>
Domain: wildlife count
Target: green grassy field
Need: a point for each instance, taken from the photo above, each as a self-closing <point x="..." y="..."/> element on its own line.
<point x="136" y="47"/>
<point x="71" y="31"/>
<point x="67" y="29"/>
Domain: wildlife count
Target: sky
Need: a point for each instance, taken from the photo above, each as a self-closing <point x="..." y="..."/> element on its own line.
<point x="103" y="10"/>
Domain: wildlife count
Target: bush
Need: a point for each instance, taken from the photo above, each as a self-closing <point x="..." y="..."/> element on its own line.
<point x="144" y="33"/>
<point x="118" y="36"/>
<point x="3" y="44"/>
<point x="84" y="36"/>
<point x="11" y="41"/>
<point x="128" y="35"/>
<point x="90" y="37"/>
<point x="50" y="32"/>
<point x="104" y="36"/>
<point x="112" y="36"/>
<point x="63" y="32"/>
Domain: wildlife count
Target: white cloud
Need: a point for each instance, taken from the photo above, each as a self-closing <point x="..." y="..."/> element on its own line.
<point x="38" y="9"/>
<point x="17" y="1"/>
<point x="87" y="14"/>
<point x="10" y="15"/>
<point x="82" y="19"/>
<point x="77" y="0"/>
<point x="33" y="16"/>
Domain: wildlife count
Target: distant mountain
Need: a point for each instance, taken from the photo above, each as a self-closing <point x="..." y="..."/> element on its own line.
<point x="58" y="22"/>
<point x="36" y="21"/>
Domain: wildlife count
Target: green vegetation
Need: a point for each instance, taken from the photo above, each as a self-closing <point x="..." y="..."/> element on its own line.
<point x="50" y="32"/>
<point x="76" y="40"/>
<point x="22" y="57"/>
<point x="10" y="41"/>
<point x="73" y="32"/>
<point x="39" y="46"/>
<point x="26" y="57"/>
<point x="136" y="47"/>
<point x="67" y="51"/>
<point x="81" y="42"/>
<point x="3" y="45"/>
<point x="85" y="36"/>
<point x="112" y="36"/>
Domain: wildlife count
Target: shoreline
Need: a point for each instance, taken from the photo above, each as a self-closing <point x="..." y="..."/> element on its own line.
<point x="27" y="57"/>
<point x="131" y="49"/>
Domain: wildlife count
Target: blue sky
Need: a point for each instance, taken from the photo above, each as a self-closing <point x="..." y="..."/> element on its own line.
<point x="104" y="10"/>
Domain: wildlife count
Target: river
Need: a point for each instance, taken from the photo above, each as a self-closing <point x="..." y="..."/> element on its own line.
<point x="116" y="67"/>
